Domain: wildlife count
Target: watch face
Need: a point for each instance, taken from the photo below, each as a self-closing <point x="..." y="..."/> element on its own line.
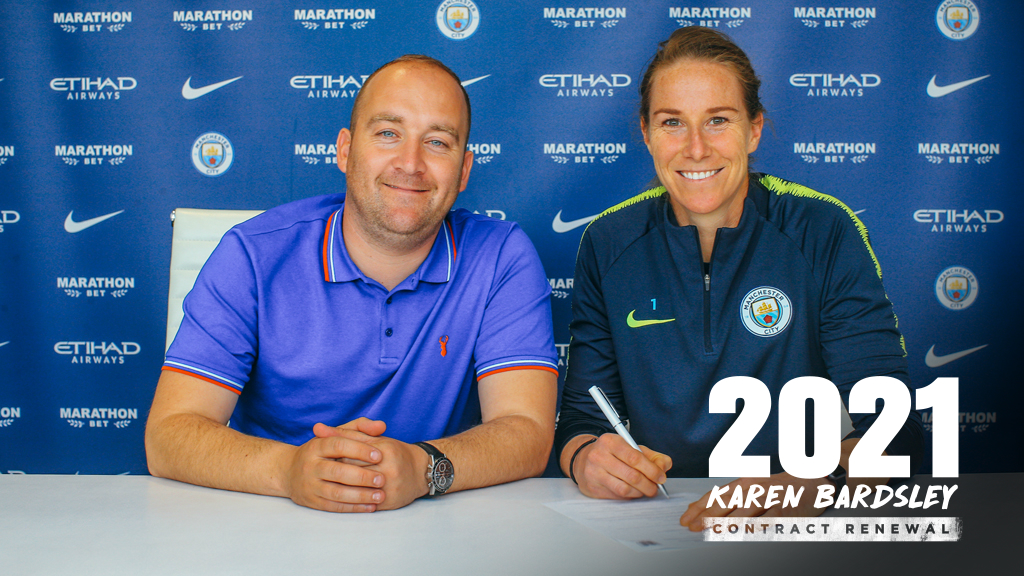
<point x="443" y="475"/>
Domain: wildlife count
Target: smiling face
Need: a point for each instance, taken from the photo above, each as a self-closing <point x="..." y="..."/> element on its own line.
<point x="405" y="158"/>
<point x="700" y="135"/>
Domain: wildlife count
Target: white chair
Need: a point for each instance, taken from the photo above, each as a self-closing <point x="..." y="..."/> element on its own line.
<point x="196" y="233"/>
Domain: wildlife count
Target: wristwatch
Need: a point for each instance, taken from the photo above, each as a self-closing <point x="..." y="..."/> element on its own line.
<point x="440" y="473"/>
<point x="838" y="477"/>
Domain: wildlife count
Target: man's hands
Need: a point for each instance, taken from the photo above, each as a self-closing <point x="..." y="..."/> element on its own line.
<point x="610" y="468"/>
<point x="354" y="468"/>
<point x="697" y="511"/>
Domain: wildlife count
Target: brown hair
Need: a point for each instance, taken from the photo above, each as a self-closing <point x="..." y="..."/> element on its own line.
<point x="421" y="59"/>
<point x="699" y="43"/>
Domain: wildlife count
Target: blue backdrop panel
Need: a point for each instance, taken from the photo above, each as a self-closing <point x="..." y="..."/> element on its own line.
<point x="904" y="112"/>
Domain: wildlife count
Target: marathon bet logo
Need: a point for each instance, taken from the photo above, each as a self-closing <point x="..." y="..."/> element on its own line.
<point x="327" y="86"/>
<point x="99" y="417"/>
<point x="709" y="17"/>
<point x="585" y="85"/>
<point x="5" y="153"/>
<point x="335" y="18"/>
<point x="93" y="89"/>
<point x="834" y="17"/>
<point x="484" y="153"/>
<point x="95" y="287"/>
<point x="82" y="352"/>
<point x="316" y="153"/>
<point x="584" y="152"/>
<point x="8" y="414"/>
<point x="584" y="17"/>
<point x="974" y="421"/>
<point x="193" y="20"/>
<point x="72" y="22"/>
<point x="957" y="152"/>
<point x="560" y="287"/>
<point x="835" y="85"/>
<point x="834" y="152"/>
<point x="8" y="217"/>
<point x="94" y="154"/>
<point x="957" y="221"/>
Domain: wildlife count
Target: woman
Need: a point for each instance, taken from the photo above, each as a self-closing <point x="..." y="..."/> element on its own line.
<point x="716" y="273"/>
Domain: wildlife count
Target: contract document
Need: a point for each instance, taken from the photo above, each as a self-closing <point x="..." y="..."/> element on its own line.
<point x="644" y="524"/>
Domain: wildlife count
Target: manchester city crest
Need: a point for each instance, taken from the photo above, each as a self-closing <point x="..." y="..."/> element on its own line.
<point x="212" y="154"/>
<point x="957" y="19"/>
<point x="956" y="288"/>
<point x="766" y="311"/>
<point x="458" y="19"/>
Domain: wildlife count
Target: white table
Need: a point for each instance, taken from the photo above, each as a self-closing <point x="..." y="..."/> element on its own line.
<point x="141" y="525"/>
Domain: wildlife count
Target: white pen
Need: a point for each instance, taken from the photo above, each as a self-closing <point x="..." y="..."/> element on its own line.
<point x="616" y="422"/>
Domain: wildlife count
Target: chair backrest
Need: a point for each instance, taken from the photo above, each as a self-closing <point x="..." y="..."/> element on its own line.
<point x="196" y="233"/>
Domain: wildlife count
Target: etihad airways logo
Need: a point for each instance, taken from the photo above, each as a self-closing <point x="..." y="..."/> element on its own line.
<point x="8" y="217"/>
<point x="83" y="352"/>
<point x="563" y="354"/>
<point x="316" y="153"/>
<point x="584" y="152"/>
<point x="327" y="86"/>
<point x="958" y="221"/>
<point x="93" y="89"/>
<point x="835" y="85"/>
<point x="484" y="153"/>
<point x="584" y="17"/>
<point x="335" y="18"/>
<point x="95" y="287"/>
<point x="957" y="152"/>
<point x="192" y="20"/>
<point x="834" y="17"/>
<point x="834" y="152"/>
<point x="72" y="22"/>
<point x="93" y="154"/>
<point x="710" y="17"/>
<point x="585" y="85"/>
<point x="99" y="417"/>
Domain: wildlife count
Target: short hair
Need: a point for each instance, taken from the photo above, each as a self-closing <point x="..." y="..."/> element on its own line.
<point x="421" y="59"/>
<point x="706" y="44"/>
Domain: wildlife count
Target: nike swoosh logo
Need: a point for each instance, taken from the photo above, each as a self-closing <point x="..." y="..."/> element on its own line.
<point x="474" y="80"/>
<point x="859" y="212"/>
<point x="5" y="343"/>
<point x="936" y="91"/>
<point x="71" y="226"/>
<point x="191" y="93"/>
<point x="634" y="323"/>
<point x="562" y="227"/>
<point x="933" y="361"/>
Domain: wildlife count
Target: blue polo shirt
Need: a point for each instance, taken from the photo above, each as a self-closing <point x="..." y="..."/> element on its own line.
<point x="281" y="316"/>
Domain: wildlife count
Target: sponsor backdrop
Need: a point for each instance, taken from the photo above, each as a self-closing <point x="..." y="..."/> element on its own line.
<point x="113" y="113"/>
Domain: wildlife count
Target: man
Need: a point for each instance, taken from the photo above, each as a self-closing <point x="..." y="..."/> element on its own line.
<point x="375" y="310"/>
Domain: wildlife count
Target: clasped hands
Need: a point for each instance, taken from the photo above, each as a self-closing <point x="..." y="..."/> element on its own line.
<point x="611" y="468"/>
<point x="355" y="468"/>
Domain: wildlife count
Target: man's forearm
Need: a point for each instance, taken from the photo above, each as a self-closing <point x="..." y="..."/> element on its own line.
<point x="194" y="449"/>
<point x="502" y="450"/>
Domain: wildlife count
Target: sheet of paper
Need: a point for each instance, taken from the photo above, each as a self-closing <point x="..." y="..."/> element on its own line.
<point x="644" y="524"/>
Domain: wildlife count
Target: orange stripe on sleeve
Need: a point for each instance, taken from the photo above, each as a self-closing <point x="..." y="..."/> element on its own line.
<point x="194" y="375"/>
<point x="327" y="239"/>
<point x="526" y="367"/>
<point x="455" y="253"/>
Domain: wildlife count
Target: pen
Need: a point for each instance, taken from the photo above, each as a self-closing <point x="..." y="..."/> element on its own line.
<point x="616" y="422"/>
